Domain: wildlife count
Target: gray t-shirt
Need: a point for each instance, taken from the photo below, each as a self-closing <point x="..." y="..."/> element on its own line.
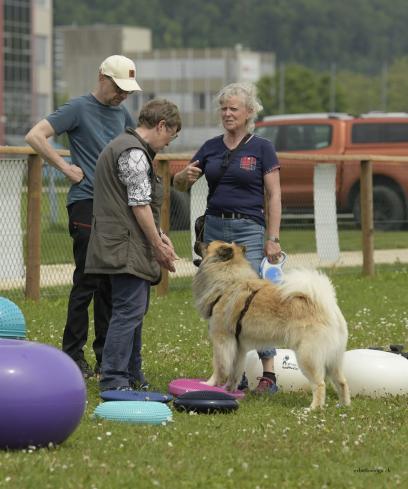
<point x="90" y="126"/>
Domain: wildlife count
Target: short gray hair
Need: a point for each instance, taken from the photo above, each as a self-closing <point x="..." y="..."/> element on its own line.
<point x="159" y="109"/>
<point x="247" y="93"/>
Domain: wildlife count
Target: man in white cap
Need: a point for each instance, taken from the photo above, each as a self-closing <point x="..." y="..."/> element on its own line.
<point x="91" y="122"/>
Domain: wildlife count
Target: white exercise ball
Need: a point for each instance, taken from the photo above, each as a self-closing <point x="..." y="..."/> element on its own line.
<point x="288" y="375"/>
<point x="375" y="373"/>
<point x="253" y="369"/>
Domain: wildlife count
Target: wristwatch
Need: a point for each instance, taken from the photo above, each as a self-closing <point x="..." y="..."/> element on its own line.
<point x="274" y="239"/>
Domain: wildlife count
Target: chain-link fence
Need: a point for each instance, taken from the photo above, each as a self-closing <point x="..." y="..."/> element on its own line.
<point x="13" y="175"/>
<point x="311" y="237"/>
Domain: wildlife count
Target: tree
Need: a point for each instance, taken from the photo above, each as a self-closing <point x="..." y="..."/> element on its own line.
<point x="305" y="91"/>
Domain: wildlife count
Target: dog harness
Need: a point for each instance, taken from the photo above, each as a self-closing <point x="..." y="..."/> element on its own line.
<point x="213" y="304"/>
<point x="238" y="326"/>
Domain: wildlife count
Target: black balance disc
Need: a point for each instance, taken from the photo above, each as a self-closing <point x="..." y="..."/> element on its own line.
<point x="206" y="402"/>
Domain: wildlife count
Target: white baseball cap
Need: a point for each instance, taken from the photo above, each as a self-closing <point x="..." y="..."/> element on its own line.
<point x="122" y="70"/>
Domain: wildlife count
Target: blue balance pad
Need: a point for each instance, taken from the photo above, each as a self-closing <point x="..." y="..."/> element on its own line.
<point x="115" y="395"/>
<point x="135" y="412"/>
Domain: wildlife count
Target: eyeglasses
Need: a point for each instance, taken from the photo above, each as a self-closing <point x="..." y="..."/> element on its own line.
<point x="117" y="89"/>
<point x="173" y="136"/>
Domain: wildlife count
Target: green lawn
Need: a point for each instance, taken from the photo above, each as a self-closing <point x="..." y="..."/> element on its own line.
<point x="267" y="443"/>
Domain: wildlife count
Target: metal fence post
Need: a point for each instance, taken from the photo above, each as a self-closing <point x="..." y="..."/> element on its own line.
<point x="367" y="216"/>
<point x="34" y="189"/>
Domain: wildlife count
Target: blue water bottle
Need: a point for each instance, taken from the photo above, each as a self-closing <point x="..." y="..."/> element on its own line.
<point x="273" y="271"/>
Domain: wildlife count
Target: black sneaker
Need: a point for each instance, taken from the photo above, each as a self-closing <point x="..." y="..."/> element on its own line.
<point x="140" y="383"/>
<point x="122" y="388"/>
<point x="84" y="367"/>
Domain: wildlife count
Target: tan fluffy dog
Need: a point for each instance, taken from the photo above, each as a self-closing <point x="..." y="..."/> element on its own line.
<point x="246" y="312"/>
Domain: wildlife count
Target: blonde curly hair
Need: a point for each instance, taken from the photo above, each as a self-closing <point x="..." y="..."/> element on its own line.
<point x="247" y="92"/>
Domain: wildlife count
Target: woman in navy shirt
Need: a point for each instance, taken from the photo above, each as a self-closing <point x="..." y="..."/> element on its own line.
<point x="235" y="206"/>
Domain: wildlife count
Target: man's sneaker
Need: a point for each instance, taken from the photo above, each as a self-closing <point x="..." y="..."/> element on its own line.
<point x="243" y="385"/>
<point x="84" y="367"/>
<point x="266" y="386"/>
<point x="122" y="388"/>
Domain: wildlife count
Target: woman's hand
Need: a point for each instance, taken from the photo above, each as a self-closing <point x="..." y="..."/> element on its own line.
<point x="193" y="172"/>
<point x="272" y="251"/>
<point x="184" y="179"/>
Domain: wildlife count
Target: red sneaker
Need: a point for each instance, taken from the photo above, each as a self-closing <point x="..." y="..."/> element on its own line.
<point x="266" y="386"/>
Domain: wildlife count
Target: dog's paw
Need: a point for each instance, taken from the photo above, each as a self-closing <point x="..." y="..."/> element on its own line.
<point x="212" y="381"/>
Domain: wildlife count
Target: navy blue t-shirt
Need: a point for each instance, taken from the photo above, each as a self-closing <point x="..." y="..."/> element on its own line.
<point x="241" y="188"/>
<point x="90" y="126"/>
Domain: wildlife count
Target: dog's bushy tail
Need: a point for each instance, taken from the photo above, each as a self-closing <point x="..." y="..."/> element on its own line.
<point x="315" y="285"/>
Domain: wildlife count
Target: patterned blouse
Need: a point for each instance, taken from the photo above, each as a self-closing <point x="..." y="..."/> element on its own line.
<point x="134" y="171"/>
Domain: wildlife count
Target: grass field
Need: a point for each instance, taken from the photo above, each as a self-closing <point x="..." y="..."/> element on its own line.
<point x="268" y="443"/>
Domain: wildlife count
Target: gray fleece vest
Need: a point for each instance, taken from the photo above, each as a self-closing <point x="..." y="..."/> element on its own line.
<point x="117" y="243"/>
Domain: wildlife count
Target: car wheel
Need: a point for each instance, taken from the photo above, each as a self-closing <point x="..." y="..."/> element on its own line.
<point x="389" y="209"/>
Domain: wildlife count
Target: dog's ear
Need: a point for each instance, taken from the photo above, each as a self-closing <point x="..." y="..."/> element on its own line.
<point x="225" y="252"/>
<point x="243" y="249"/>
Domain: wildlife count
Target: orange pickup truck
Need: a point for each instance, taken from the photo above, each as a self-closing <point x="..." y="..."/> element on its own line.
<point x="372" y="133"/>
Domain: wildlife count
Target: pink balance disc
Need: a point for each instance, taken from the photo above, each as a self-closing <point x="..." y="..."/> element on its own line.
<point x="178" y="387"/>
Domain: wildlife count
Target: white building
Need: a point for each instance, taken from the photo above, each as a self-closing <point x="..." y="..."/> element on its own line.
<point x="26" y="88"/>
<point x="188" y="77"/>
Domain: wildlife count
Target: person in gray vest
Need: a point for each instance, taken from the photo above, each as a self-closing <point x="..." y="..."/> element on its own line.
<point x="91" y="122"/>
<point x="126" y="242"/>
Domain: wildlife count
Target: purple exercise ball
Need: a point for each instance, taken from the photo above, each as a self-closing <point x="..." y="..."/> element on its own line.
<point x="42" y="394"/>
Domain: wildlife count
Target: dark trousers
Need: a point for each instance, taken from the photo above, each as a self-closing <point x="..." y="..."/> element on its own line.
<point x="85" y="288"/>
<point x="121" y="364"/>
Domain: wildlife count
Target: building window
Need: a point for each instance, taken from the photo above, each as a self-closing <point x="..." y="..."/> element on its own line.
<point x="41" y="50"/>
<point x="138" y="99"/>
<point x="199" y="101"/>
<point x="42" y="3"/>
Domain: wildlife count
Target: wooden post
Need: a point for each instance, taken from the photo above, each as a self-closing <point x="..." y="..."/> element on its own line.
<point x="367" y="216"/>
<point x="34" y="190"/>
<point x="164" y="171"/>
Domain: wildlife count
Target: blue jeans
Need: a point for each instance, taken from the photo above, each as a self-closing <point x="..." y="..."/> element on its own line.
<point x="121" y="359"/>
<point x="243" y="232"/>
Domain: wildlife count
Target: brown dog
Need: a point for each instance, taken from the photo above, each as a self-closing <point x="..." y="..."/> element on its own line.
<point x="246" y="312"/>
